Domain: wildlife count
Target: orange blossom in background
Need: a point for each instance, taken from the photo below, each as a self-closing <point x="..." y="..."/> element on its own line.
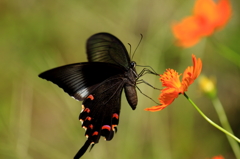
<point x="208" y="15"/>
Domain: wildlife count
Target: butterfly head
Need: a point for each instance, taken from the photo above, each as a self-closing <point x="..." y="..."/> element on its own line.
<point x="132" y="64"/>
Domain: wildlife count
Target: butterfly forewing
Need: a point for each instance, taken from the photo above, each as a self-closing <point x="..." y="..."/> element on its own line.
<point x="79" y="79"/>
<point x="104" y="47"/>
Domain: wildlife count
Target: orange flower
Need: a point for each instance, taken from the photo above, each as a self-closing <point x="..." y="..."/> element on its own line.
<point x="218" y="157"/>
<point x="170" y="80"/>
<point x="207" y="16"/>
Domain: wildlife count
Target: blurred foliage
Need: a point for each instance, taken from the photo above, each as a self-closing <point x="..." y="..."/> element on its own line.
<point x="39" y="121"/>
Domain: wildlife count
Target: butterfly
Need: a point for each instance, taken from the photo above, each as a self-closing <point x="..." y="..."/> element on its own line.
<point x="99" y="84"/>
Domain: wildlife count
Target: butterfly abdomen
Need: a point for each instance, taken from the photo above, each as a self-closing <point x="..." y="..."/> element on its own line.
<point x="130" y="86"/>
<point x="131" y="95"/>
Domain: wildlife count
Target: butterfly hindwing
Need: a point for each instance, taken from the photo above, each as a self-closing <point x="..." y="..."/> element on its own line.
<point x="104" y="47"/>
<point x="101" y="110"/>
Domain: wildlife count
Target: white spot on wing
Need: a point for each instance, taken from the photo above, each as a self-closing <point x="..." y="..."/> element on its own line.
<point x="81" y="94"/>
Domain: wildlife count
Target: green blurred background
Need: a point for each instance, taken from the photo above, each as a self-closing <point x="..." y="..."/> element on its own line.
<point x="39" y="121"/>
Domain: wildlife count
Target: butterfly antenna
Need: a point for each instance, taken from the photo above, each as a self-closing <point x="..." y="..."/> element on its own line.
<point x="130" y="49"/>
<point x="137" y="45"/>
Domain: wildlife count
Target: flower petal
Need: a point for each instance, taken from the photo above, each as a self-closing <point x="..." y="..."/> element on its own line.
<point x="224" y="13"/>
<point x="207" y="17"/>
<point x="218" y="157"/>
<point x="156" y="108"/>
<point x="170" y="78"/>
<point x="187" y="31"/>
<point x="191" y="73"/>
<point x="168" y="95"/>
<point x="206" y="8"/>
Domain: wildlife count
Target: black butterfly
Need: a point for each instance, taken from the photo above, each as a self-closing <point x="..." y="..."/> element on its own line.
<point x="99" y="84"/>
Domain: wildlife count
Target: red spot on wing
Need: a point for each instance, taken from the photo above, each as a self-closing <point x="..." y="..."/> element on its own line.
<point x="87" y="110"/>
<point x="88" y="118"/>
<point x="90" y="97"/>
<point x="91" y="126"/>
<point x="95" y="133"/>
<point x="115" y="115"/>
<point x="106" y="127"/>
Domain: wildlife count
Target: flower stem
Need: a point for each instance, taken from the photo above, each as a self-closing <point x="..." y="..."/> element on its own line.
<point x="224" y="121"/>
<point x="210" y="121"/>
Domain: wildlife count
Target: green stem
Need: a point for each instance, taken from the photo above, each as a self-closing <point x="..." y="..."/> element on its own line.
<point x="224" y="121"/>
<point x="210" y="121"/>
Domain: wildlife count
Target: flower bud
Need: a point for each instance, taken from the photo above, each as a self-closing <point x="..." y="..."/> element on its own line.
<point x="208" y="86"/>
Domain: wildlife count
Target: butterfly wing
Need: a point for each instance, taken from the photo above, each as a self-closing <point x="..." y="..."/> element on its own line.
<point x="78" y="80"/>
<point x="100" y="114"/>
<point x="99" y="83"/>
<point x="104" y="47"/>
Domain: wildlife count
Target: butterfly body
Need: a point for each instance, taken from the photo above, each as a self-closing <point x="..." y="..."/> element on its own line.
<point x="99" y="84"/>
